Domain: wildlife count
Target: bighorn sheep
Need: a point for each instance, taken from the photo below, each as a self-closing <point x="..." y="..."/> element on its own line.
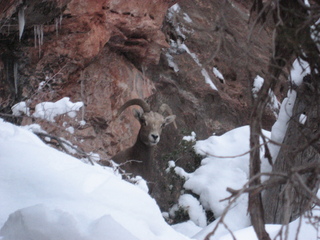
<point x="138" y="159"/>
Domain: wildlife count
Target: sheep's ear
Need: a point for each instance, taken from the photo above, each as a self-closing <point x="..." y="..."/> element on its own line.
<point x="169" y="119"/>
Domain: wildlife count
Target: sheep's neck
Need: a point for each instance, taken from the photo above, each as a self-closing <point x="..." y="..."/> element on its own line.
<point x="143" y="152"/>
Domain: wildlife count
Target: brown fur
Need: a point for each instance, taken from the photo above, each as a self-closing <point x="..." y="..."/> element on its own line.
<point x="138" y="159"/>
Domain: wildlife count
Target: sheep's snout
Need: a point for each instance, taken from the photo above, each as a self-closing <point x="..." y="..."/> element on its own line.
<point x="154" y="138"/>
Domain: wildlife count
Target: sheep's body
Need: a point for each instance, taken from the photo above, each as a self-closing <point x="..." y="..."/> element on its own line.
<point x="138" y="159"/>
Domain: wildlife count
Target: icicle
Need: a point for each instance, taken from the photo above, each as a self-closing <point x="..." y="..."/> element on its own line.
<point x="41" y="35"/>
<point x="56" y="21"/>
<point x="35" y="35"/>
<point x="9" y="25"/>
<point x="58" y="24"/>
<point x="15" y="77"/>
<point x="38" y="36"/>
<point x="22" y="22"/>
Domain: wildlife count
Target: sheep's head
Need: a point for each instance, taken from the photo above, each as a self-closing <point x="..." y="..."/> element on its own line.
<point x="151" y="122"/>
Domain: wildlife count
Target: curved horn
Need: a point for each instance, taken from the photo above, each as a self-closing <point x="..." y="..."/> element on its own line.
<point x="137" y="101"/>
<point x="165" y="108"/>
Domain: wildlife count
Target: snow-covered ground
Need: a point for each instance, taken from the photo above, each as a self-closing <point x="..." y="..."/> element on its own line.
<point x="47" y="194"/>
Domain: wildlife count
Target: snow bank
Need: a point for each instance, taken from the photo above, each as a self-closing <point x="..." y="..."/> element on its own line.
<point x="298" y="229"/>
<point x="188" y="228"/>
<point x="226" y="165"/>
<point x="46" y="194"/>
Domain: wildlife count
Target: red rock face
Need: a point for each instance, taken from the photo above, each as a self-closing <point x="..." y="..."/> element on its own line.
<point x="75" y="50"/>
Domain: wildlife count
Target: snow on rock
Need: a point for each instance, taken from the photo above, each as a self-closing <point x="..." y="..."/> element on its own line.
<point x="204" y="72"/>
<point x="207" y="79"/>
<point x="20" y="108"/>
<point x="172" y="11"/>
<point x="179" y="45"/>
<point x="187" y="18"/>
<point x="46" y="194"/>
<point x="218" y="74"/>
<point x="171" y="62"/>
<point x="49" y="110"/>
<point x="70" y="129"/>
<point x="192" y="206"/>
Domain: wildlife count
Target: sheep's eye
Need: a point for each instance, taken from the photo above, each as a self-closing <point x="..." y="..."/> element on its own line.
<point x="163" y="125"/>
<point x="143" y="122"/>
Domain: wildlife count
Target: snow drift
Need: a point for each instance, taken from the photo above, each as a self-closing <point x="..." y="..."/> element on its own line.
<point x="46" y="194"/>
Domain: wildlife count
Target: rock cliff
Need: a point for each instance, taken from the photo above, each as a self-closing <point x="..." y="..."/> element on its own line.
<point x="200" y="57"/>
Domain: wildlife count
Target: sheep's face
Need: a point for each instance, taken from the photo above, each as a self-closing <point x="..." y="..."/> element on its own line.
<point x="152" y="124"/>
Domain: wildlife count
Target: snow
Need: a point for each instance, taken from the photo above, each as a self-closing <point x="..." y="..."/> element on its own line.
<point x="226" y="165"/>
<point x="315" y="34"/>
<point x="187" y="18"/>
<point x="191" y="138"/>
<point x="171" y="63"/>
<point x="20" y="108"/>
<point x="302" y="119"/>
<point x="207" y="79"/>
<point x="178" y="170"/>
<point x="193" y="207"/>
<point x="49" y="110"/>
<point x="306" y="231"/>
<point x="306" y="2"/>
<point x="299" y="70"/>
<point x="180" y="45"/>
<point x="217" y="73"/>
<point x="188" y="228"/>
<point x="279" y="128"/>
<point x="82" y="122"/>
<point x="257" y="84"/>
<point x="171" y="15"/>
<point x="46" y="194"/>
<point x="204" y="72"/>
<point x="70" y="129"/>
